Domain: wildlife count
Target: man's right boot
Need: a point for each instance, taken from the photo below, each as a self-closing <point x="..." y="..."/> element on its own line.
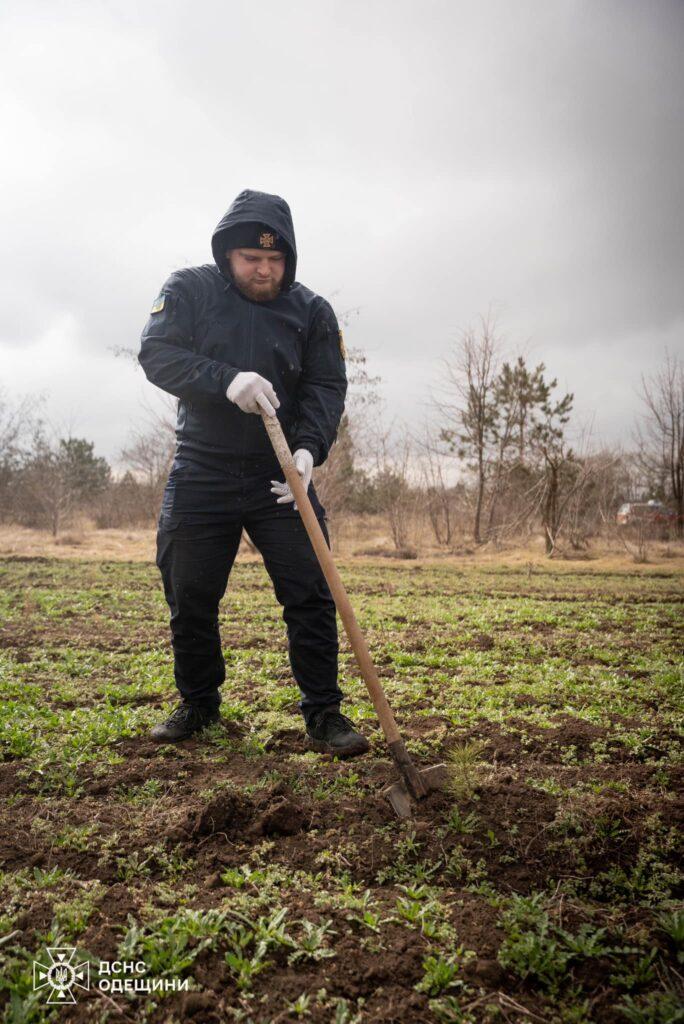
<point x="184" y="722"/>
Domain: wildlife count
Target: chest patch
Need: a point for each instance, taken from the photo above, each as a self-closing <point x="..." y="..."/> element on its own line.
<point x="343" y="351"/>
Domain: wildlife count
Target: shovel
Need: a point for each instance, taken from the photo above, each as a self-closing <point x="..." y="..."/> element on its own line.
<point x="415" y="784"/>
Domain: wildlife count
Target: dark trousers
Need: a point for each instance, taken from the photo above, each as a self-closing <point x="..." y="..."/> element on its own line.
<point x="195" y="559"/>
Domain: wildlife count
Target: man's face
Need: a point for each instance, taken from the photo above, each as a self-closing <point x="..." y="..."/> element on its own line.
<point x="258" y="274"/>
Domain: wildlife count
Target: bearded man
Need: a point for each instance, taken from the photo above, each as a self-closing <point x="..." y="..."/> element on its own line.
<point x="223" y="338"/>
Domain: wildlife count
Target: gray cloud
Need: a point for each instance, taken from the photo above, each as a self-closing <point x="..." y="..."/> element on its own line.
<point x="438" y="158"/>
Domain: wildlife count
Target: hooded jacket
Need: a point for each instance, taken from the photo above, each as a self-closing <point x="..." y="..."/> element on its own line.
<point x="203" y="331"/>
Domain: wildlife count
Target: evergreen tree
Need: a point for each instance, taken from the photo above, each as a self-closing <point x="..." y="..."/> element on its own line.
<point x="57" y="477"/>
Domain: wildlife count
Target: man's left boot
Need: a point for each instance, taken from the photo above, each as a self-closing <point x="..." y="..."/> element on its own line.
<point x="331" y="732"/>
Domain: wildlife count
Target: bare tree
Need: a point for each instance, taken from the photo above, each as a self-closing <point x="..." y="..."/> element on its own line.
<point x="439" y="497"/>
<point x="596" y="488"/>
<point x="469" y="410"/>
<point x="148" y="455"/>
<point x="338" y="478"/>
<point x="396" y="497"/>
<point x="662" y="430"/>
<point x="18" y="423"/>
<point x="619" y="479"/>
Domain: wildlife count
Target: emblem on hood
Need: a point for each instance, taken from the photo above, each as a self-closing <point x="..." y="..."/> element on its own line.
<point x="266" y="240"/>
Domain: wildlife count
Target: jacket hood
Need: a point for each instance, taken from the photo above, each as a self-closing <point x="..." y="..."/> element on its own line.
<point x="262" y="208"/>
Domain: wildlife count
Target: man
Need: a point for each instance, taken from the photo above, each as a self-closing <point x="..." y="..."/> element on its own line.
<point x="224" y="338"/>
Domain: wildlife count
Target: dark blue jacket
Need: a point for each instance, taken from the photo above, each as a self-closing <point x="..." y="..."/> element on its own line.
<point x="202" y="331"/>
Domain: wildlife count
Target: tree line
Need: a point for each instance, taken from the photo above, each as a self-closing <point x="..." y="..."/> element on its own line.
<point x="47" y="479"/>
<point x="499" y="458"/>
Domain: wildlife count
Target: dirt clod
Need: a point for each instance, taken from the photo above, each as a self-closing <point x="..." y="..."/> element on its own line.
<point x="222" y="813"/>
<point x="283" y="818"/>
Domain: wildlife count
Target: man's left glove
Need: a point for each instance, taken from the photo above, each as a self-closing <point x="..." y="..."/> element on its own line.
<point x="303" y="460"/>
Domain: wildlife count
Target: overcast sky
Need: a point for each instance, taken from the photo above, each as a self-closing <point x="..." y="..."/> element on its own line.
<point x="440" y="159"/>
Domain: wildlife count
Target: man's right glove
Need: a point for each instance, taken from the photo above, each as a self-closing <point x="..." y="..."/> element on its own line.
<point x="245" y="389"/>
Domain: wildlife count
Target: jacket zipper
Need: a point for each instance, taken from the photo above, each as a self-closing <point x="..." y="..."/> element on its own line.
<point x="250" y="363"/>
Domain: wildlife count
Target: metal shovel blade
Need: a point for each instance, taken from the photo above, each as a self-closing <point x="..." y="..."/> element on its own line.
<point x="435" y="777"/>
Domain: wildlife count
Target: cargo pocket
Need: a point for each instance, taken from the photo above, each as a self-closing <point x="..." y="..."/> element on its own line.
<point x="168" y="515"/>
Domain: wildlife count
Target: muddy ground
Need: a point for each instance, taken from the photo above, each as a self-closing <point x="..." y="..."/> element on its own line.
<point x="542" y="886"/>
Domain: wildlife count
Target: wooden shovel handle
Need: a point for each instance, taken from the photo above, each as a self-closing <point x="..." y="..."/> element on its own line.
<point x="353" y="630"/>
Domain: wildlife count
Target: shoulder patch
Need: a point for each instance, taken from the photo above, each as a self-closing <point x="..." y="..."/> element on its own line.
<point x="158" y="304"/>
<point x="343" y="351"/>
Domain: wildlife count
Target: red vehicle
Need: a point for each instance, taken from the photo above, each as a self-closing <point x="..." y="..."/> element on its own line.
<point x="646" y="512"/>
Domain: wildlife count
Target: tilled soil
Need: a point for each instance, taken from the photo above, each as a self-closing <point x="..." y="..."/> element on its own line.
<point x="221" y="832"/>
<point x="151" y="829"/>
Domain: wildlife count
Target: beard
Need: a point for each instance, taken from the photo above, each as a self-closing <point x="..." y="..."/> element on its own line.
<point x="257" y="292"/>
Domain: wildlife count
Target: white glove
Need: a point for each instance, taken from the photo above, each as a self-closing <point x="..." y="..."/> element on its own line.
<point x="303" y="461"/>
<point x="247" y="387"/>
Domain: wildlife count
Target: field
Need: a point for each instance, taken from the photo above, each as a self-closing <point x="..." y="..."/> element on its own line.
<point x="543" y="887"/>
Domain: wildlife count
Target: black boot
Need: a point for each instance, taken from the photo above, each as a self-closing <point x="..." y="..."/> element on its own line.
<point x="331" y="732"/>
<point x="186" y="720"/>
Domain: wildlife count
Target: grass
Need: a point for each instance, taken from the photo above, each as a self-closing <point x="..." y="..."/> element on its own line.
<point x="547" y="878"/>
